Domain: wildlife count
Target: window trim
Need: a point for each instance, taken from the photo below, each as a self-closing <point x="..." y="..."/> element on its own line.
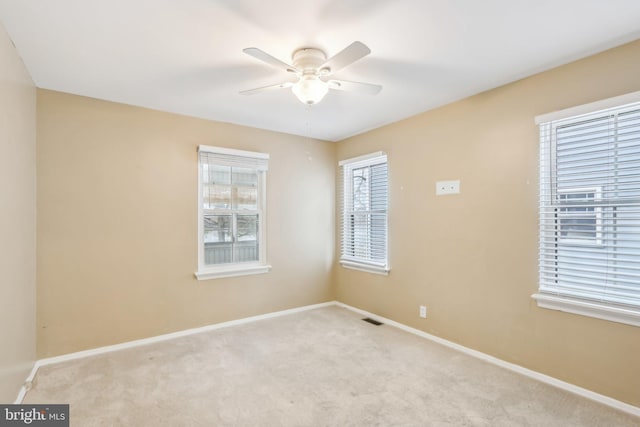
<point x="206" y="272"/>
<point x="588" y="308"/>
<point x="628" y="315"/>
<point x="592" y="107"/>
<point x="354" y="263"/>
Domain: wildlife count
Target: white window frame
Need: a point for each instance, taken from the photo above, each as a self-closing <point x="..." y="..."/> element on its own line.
<point x="244" y="159"/>
<point x="359" y="263"/>
<point x="629" y="315"/>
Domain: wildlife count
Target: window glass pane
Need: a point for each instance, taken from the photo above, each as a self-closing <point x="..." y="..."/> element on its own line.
<point x="245" y="177"/>
<point x="246" y="248"/>
<point x="217" y="253"/>
<point x="360" y="184"/>
<point x="583" y="228"/>
<point x="217" y="228"/>
<point x="247" y="228"/>
<point x="246" y="251"/>
<point x="578" y="222"/>
<point x="218" y="233"/>
<point x="216" y="187"/>
<point x="245" y="189"/>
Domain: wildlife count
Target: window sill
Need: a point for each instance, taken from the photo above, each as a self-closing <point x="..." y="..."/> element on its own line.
<point x="369" y="268"/>
<point x="231" y="271"/>
<point x="592" y="309"/>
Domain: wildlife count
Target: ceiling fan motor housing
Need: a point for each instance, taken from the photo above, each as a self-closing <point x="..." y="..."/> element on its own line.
<point x="309" y="60"/>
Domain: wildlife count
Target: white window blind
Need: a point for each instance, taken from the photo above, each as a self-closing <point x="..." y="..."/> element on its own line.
<point x="590" y="213"/>
<point x="231" y="212"/>
<point x="364" y="202"/>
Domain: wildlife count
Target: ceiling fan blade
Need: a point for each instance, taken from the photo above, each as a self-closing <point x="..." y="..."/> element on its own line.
<point x="359" y="87"/>
<point x="265" y="88"/>
<point x="347" y="56"/>
<point x="265" y="57"/>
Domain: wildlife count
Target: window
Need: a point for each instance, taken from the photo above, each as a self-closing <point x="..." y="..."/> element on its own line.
<point x="364" y="213"/>
<point x="231" y="212"/>
<point x="590" y="212"/>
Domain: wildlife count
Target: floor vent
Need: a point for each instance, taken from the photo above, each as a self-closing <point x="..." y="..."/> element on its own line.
<point x="372" y="321"/>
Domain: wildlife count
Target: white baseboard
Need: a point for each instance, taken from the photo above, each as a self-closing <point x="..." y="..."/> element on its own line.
<point x="588" y="394"/>
<point x="591" y="395"/>
<point x="156" y="339"/>
<point x="26" y="386"/>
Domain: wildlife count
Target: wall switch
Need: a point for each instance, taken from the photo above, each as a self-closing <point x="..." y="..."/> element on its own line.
<point x="447" y="187"/>
<point x="423" y="311"/>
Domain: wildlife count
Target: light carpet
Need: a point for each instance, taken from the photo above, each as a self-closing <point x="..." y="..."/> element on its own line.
<point x="323" y="367"/>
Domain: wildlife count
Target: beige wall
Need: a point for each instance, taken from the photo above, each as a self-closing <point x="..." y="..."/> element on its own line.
<point x="117" y="224"/>
<point x="472" y="258"/>
<point x="17" y="220"/>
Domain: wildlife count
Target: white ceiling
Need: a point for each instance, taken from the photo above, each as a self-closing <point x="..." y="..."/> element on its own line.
<point x="185" y="56"/>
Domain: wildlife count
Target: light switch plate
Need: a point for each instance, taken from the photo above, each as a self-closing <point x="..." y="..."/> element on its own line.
<point x="447" y="187"/>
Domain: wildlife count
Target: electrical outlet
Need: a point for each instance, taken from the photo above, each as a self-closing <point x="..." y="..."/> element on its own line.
<point x="423" y="311"/>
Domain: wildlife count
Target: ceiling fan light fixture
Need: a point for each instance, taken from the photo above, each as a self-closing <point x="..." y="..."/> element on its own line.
<point x="310" y="65"/>
<point x="310" y="89"/>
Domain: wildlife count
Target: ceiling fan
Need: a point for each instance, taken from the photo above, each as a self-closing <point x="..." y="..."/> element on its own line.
<point x="312" y="68"/>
